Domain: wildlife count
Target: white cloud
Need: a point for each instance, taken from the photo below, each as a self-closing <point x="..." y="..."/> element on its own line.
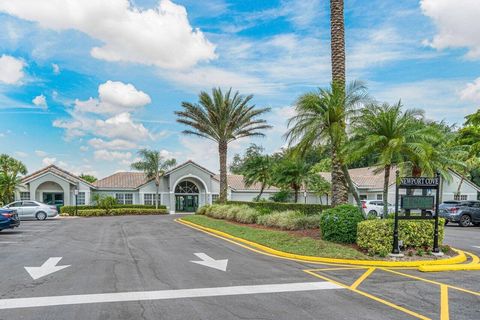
<point x="48" y="161"/>
<point x="21" y="154"/>
<point x="122" y="126"/>
<point x="114" y="97"/>
<point x="161" y="36"/>
<point x="40" y="101"/>
<point x="471" y="92"/>
<point x="11" y="69"/>
<point x="84" y="148"/>
<point x="55" y="68"/>
<point x="116" y="144"/>
<point x="41" y="153"/>
<point x="457" y="24"/>
<point x="111" y="155"/>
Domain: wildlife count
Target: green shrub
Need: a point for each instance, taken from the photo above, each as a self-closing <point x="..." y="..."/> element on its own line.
<point x="281" y="196"/>
<point x="71" y="209"/>
<point x="202" y="210"/>
<point x="232" y="211"/>
<point x="376" y="236"/>
<point x="217" y="211"/>
<point x="119" y="212"/>
<point x="269" y="207"/>
<point x="339" y="224"/>
<point x="289" y="220"/>
<point x="247" y="215"/>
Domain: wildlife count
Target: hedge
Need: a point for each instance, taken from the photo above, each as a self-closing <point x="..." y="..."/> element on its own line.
<point x="376" y="236"/>
<point x="71" y="209"/>
<point x="120" y="212"/>
<point x="339" y="224"/>
<point x="268" y="207"/>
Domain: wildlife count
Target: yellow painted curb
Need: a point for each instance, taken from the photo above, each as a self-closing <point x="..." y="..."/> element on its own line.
<point x="460" y="258"/>
<point x="473" y="265"/>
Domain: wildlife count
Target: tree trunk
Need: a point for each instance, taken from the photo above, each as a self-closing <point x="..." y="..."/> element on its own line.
<point x="460" y="187"/>
<point x="222" y="152"/>
<point x="156" y="195"/>
<point x="296" y="194"/>
<point x="386" y="181"/>
<point x="351" y="187"/>
<point x="337" y="44"/>
<point x="339" y="189"/>
<point x="261" y="191"/>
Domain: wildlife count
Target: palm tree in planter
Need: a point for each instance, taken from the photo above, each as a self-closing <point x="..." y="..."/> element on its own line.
<point x="223" y="118"/>
<point x="154" y="165"/>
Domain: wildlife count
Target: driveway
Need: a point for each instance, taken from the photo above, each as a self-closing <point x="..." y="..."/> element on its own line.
<point x="150" y="267"/>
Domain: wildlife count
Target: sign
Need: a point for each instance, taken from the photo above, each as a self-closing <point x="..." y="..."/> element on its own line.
<point x="417" y="202"/>
<point x="419" y="182"/>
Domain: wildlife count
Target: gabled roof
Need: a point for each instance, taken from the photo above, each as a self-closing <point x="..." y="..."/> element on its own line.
<point x="236" y="182"/>
<point x="57" y="171"/>
<point x="122" y="180"/>
<point x="365" y="178"/>
<point x="187" y="163"/>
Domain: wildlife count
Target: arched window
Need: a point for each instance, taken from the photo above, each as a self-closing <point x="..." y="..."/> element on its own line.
<point x="186" y="187"/>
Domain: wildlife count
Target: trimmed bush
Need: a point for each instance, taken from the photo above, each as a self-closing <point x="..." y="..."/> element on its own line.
<point x="120" y="212"/>
<point x="247" y="215"/>
<point x="339" y="224"/>
<point x="289" y="220"/>
<point x="71" y="209"/>
<point x="202" y="210"/>
<point x="376" y="236"/>
<point x="269" y="207"/>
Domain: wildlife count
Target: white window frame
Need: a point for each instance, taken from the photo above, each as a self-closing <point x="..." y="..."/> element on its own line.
<point x="460" y="197"/>
<point x="215" y="197"/>
<point x="81" y="197"/>
<point x="151" y="200"/>
<point x="122" y="198"/>
<point x="379" y="197"/>
<point x="22" y="196"/>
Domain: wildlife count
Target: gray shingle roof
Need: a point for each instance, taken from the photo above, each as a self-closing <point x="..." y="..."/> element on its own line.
<point x="365" y="178"/>
<point x="122" y="180"/>
<point x="235" y="181"/>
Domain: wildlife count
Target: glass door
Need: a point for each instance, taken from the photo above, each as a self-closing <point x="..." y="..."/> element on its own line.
<point x="186" y="203"/>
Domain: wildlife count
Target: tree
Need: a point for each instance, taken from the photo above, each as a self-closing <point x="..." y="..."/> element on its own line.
<point x="87" y="177"/>
<point x="320" y="120"/>
<point x="257" y="169"/>
<point x="290" y="172"/>
<point x="390" y="135"/>
<point x="237" y="165"/>
<point x="154" y="165"/>
<point x="222" y="118"/>
<point x="10" y="169"/>
<point x="318" y="185"/>
<point x="337" y="42"/>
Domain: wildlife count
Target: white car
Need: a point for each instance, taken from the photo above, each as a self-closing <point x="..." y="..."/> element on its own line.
<point x="33" y="209"/>
<point x="375" y="207"/>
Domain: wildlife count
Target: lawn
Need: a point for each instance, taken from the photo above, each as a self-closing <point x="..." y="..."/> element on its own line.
<point x="281" y="240"/>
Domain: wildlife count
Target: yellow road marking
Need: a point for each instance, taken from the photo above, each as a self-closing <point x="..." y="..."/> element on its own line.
<point x="444" y="313"/>
<point x="372" y="297"/>
<point x="341" y="268"/>
<point x="363" y="277"/>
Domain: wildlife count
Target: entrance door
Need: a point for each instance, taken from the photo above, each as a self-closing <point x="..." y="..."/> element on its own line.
<point x="186" y="203"/>
<point x="53" y="198"/>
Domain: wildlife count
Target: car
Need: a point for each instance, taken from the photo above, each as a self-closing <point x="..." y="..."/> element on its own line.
<point x="375" y="207"/>
<point x="448" y="204"/>
<point x="9" y="219"/>
<point x="33" y="209"/>
<point x="464" y="213"/>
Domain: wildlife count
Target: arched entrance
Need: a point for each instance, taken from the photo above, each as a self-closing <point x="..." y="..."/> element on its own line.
<point x="50" y="192"/>
<point x="186" y="196"/>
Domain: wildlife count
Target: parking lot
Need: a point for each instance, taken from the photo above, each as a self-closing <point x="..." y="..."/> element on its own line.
<point x="151" y="267"/>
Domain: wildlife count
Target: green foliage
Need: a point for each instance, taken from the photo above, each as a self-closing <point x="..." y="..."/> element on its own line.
<point x="281" y="196"/>
<point x="238" y="163"/>
<point x="268" y="207"/>
<point x="10" y="171"/>
<point x="87" y="177"/>
<point x="290" y="172"/>
<point x="289" y="220"/>
<point x="120" y="212"/>
<point x="258" y="169"/>
<point x="70" y="210"/>
<point x="339" y="224"/>
<point x="318" y="185"/>
<point x="376" y="236"/>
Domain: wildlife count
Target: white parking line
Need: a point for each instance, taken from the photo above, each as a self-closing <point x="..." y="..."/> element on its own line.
<point x="7" y="242"/>
<point x="163" y="294"/>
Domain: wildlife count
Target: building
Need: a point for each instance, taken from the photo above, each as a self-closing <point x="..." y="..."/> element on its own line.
<point x="182" y="189"/>
<point x="370" y="186"/>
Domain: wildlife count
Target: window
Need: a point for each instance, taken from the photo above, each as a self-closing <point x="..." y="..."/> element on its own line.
<point x="186" y="187"/>
<point x="215" y="197"/>
<point x="379" y="196"/>
<point x="124" y="198"/>
<point x="81" y="198"/>
<point x="149" y="199"/>
<point x="363" y="197"/>
<point x="29" y="204"/>
<point x="16" y="204"/>
<point x="24" y="195"/>
<point x="460" y="197"/>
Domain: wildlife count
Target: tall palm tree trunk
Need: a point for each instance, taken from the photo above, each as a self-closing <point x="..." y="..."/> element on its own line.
<point x="351" y="187"/>
<point x="261" y="191"/>
<point x="386" y="181"/>
<point x="337" y="44"/>
<point x="460" y="186"/>
<point x="222" y="152"/>
<point x="339" y="189"/>
<point x="156" y="195"/>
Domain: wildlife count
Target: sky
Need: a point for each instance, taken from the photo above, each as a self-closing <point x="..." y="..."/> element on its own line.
<point x="86" y="84"/>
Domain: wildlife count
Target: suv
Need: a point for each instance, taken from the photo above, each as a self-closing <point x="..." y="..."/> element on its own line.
<point x="375" y="207"/>
<point x="33" y="209"/>
<point x="465" y="213"/>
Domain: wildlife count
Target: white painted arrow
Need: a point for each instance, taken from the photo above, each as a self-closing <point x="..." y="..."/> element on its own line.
<point x="210" y="262"/>
<point x="48" y="267"/>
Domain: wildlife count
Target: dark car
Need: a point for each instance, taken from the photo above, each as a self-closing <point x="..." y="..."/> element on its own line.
<point x="464" y="213"/>
<point x="8" y="219"/>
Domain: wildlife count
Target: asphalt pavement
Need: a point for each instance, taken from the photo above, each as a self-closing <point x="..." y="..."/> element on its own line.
<point x="151" y="267"/>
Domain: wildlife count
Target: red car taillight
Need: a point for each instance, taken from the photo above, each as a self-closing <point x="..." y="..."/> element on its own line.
<point x="453" y="209"/>
<point x="364" y="205"/>
<point x="7" y="215"/>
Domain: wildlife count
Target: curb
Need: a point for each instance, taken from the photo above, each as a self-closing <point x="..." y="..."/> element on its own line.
<point x="460" y="258"/>
<point x="473" y="265"/>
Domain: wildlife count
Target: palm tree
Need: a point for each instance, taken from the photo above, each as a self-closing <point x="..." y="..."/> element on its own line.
<point x="291" y="172"/>
<point x="222" y="118"/>
<point x="257" y="169"/>
<point x="10" y="169"/>
<point x="154" y="165"/>
<point x="337" y="43"/>
<point x="390" y="135"/>
<point x="320" y="120"/>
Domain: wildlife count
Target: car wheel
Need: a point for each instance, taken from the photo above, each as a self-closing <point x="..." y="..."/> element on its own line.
<point x="41" y="215"/>
<point x="465" y="221"/>
<point x="372" y="213"/>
